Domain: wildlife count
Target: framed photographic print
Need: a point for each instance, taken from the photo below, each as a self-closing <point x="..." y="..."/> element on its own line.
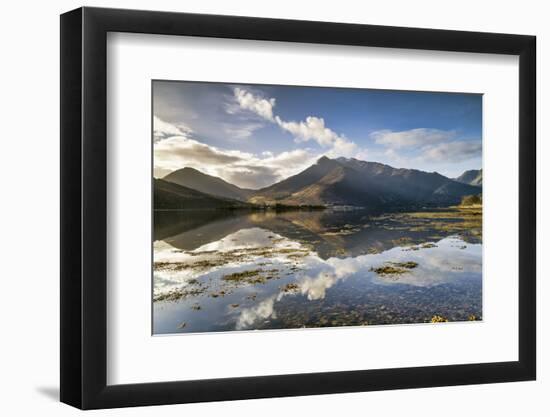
<point x="257" y="208"/>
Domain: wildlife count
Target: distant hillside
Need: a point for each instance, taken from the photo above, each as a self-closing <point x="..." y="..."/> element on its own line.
<point x="192" y="178"/>
<point x="360" y="183"/>
<point x="472" y="177"/>
<point x="170" y="196"/>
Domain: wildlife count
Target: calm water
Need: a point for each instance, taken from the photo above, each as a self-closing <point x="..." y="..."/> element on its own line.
<point x="219" y="271"/>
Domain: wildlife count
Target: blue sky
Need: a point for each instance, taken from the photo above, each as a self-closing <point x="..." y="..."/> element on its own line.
<point x="254" y="135"/>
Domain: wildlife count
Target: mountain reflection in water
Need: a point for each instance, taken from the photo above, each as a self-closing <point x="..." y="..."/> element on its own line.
<point x="220" y="271"/>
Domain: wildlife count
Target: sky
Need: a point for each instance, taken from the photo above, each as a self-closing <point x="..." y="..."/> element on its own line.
<point x="255" y="135"/>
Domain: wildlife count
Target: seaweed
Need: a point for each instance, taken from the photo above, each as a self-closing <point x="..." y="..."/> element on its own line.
<point x="438" y="319"/>
<point x="395" y="268"/>
<point x="290" y="288"/>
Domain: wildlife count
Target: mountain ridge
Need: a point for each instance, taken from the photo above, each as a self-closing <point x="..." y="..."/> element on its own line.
<point x="338" y="182"/>
<point x="349" y="181"/>
<point x="209" y="184"/>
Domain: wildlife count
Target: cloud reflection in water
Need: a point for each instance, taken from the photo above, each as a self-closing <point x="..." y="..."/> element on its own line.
<point x="447" y="261"/>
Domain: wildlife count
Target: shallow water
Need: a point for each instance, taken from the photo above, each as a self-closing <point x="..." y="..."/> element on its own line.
<point x="218" y="271"/>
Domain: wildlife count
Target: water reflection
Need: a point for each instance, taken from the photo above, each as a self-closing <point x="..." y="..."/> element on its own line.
<point x="311" y="269"/>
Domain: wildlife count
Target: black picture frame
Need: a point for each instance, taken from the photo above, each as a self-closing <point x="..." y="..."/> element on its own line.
<point x="84" y="207"/>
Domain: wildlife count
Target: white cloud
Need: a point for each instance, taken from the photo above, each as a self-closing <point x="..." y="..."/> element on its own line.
<point x="162" y="129"/>
<point x="453" y="151"/>
<point x="411" y="138"/>
<point x="342" y="147"/>
<point x="259" y="105"/>
<point x="312" y="128"/>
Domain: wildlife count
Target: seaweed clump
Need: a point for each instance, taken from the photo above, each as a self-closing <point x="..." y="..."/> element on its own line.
<point x="438" y="319"/>
<point x="177" y="294"/>
<point x="251" y="277"/>
<point x="406" y="265"/>
<point x="290" y="288"/>
<point x="395" y="268"/>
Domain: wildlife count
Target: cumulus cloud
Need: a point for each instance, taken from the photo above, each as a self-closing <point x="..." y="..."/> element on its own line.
<point x="261" y="106"/>
<point x="412" y="137"/>
<point x="162" y="129"/>
<point x="244" y="169"/>
<point x="453" y="151"/>
<point x="342" y="147"/>
<point x="312" y="128"/>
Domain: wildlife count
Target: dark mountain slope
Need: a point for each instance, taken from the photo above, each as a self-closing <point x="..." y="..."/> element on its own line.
<point x="170" y="196"/>
<point x="192" y="178"/>
<point x="297" y="182"/>
<point x="341" y="186"/>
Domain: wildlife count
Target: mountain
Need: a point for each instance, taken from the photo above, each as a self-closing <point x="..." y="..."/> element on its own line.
<point x="171" y="196"/>
<point x="285" y="188"/>
<point x="472" y="177"/>
<point x="353" y="182"/>
<point x="196" y="180"/>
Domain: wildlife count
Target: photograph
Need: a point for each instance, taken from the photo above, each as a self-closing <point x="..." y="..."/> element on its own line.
<point x="260" y="209"/>
<point x="291" y="207"/>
